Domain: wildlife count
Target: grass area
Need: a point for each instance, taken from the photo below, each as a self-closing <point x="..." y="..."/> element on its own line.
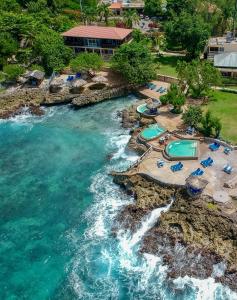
<point x="167" y="65"/>
<point x="225" y="107"/>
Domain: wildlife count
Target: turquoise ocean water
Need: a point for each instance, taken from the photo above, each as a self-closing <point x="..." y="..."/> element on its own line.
<point x="57" y="206"/>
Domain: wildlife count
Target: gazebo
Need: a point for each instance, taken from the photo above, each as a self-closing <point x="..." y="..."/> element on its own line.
<point x="34" y="78"/>
<point x="153" y="105"/>
<point x="77" y="86"/>
<point x="195" y="185"/>
<point x="56" y="85"/>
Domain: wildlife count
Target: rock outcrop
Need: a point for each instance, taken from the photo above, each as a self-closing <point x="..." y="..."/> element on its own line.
<point x="191" y="237"/>
<point x="91" y="97"/>
<point x="11" y="103"/>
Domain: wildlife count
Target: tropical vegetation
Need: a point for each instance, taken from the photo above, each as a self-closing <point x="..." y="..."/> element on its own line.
<point x="135" y="62"/>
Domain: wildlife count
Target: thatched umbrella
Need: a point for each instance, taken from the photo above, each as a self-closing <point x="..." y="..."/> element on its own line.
<point x="195" y="185"/>
<point x="56" y="85"/>
<point x="100" y="79"/>
<point x="77" y="86"/>
<point x="152" y="105"/>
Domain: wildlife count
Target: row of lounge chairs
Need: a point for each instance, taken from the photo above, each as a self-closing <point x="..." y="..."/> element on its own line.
<point x="198" y="172"/>
<point x="215" y="146"/>
<point x="153" y="86"/>
<point x="71" y="77"/>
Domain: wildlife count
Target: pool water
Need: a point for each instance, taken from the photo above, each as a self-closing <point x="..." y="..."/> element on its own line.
<point x="182" y="148"/>
<point x="152" y="132"/>
<point x="142" y="108"/>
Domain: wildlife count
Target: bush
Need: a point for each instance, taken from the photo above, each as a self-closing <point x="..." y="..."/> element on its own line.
<point x="13" y="72"/>
<point x="193" y="116"/>
<point x="86" y="61"/>
<point x="211" y="126"/>
<point x="175" y="97"/>
<point x="36" y="67"/>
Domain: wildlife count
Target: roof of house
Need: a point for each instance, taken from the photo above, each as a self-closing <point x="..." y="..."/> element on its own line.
<point x="226" y="60"/>
<point x="98" y="32"/>
<point x="116" y="5"/>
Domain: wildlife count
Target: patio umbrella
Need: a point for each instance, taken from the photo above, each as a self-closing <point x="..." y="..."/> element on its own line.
<point x="196" y="183"/>
<point x="77" y="86"/>
<point x="100" y="79"/>
<point x="56" y="85"/>
<point x="153" y="104"/>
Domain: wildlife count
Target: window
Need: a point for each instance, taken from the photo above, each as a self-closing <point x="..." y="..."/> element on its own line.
<point x="91" y="42"/>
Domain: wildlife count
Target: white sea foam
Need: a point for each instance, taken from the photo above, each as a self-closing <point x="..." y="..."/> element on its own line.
<point x="144" y="277"/>
<point x="206" y="289"/>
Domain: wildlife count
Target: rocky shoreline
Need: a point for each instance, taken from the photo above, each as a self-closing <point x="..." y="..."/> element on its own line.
<point x="194" y="237"/>
<point x="12" y="103"/>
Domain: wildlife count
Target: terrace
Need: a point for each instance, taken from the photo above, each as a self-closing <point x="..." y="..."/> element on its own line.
<point x="222" y="187"/>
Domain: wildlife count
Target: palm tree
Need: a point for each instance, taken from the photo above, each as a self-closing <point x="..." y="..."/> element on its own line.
<point x="130" y="17"/>
<point x="103" y="11"/>
<point x="88" y="15"/>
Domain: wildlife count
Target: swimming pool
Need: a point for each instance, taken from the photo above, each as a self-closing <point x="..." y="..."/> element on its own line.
<point x="153" y="131"/>
<point x="142" y="108"/>
<point x="182" y="148"/>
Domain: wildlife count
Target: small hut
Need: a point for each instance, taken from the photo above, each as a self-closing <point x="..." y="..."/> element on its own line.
<point x="195" y="185"/>
<point x="77" y="86"/>
<point x="56" y="85"/>
<point x="34" y="78"/>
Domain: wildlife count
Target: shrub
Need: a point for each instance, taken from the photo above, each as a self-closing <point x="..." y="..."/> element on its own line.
<point x="192" y="116"/>
<point x="13" y="72"/>
<point x="36" y="67"/>
<point x="86" y="61"/>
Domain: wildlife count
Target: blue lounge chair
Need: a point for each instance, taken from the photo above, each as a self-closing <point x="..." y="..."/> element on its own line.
<point x="227" y="150"/>
<point x="159" y="89"/>
<point x="198" y="172"/>
<point x="78" y="75"/>
<point x="153" y="86"/>
<point x="163" y="90"/>
<point x="214" y="147"/>
<point x="177" y="167"/>
<point x="207" y="162"/>
<point x="160" y="163"/>
<point x="190" y="130"/>
<point x="228" y="169"/>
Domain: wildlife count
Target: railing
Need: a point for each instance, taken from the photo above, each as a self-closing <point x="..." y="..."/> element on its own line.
<point x="139" y="160"/>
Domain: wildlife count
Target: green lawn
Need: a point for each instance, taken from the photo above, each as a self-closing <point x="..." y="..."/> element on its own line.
<point x="167" y="65"/>
<point x="225" y="107"/>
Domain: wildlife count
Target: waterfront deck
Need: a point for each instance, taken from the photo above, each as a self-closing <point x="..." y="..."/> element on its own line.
<point x="215" y="175"/>
<point x="148" y="93"/>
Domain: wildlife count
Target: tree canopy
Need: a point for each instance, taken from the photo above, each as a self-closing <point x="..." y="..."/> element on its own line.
<point x="189" y="32"/>
<point x="135" y="62"/>
<point x="200" y="76"/>
<point x="86" y="61"/>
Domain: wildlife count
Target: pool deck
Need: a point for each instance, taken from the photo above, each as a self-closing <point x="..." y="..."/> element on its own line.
<point x="215" y="176"/>
<point x="151" y="93"/>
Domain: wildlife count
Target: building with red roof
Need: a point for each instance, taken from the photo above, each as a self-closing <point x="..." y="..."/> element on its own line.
<point x="102" y="40"/>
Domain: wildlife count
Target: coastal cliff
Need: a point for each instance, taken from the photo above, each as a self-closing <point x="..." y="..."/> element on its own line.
<point x="192" y="237"/>
<point x="11" y="103"/>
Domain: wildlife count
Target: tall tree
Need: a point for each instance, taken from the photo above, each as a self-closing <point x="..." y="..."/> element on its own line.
<point x="135" y="62"/>
<point x="200" y="76"/>
<point x="189" y="32"/>
<point x="50" y="48"/>
<point x="130" y="17"/>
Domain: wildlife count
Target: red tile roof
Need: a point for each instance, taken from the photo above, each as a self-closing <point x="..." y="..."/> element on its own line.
<point x="98" y="32"/>
<point x="116" y="6"/>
